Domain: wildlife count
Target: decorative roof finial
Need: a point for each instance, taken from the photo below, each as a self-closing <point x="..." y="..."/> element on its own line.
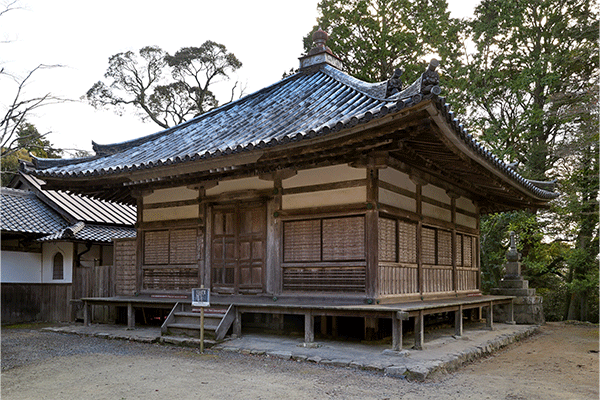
<point x="320" y="53"/>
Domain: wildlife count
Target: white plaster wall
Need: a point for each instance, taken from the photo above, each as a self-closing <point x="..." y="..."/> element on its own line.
<point x="171" y="194"/>
<point x="465" y="220"/>
<point x="324" y="198"/>
<point x="252" y="183"/>
<point x="397" y="200"/>
<point x="437" y="193"/>
<point x="430" y="210"/>
<point x="397" y="178"/>
<point x="20" y="267"/>
<point x="466" y="204"/>
<point x="171" y="213"/>
<point x="48" y="251"/>
<point x="331" y="174"/>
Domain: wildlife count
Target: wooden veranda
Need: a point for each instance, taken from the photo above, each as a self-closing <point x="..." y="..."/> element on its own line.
<point x="397" y="312"/>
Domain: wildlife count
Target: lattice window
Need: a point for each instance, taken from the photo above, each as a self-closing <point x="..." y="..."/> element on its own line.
<point x="175" y="247"/>
<point x="459" y="249"/>
<point x="183" y="246"/>
<point x="302" y="240"/>
<point x="387" y="240"/>
<point x="444" y="247"/>
<point x="407" y="242"/>
<point x="344" y="239"/>
<point x="468" y="251"/>
<point x="428" y="243"/>
<point x="329" y="239"/>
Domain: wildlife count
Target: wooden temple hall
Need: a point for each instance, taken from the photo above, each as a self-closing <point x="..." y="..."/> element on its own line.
<point x="320" y="199"/>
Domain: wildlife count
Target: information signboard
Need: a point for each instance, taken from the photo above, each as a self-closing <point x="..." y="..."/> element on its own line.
<point x="200" y="297"/>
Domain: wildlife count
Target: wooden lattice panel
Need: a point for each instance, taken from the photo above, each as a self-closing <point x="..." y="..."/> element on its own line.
<point x="459" y="249"/>
<point x="407" y="242"/>
<point x="325" y="279"/>
<point x="344" y="239"/>
<point x="302" y="240"/>
<point x="125" y="267"/>
<point x="467" y="279"/>
<point x="170" y="278"/>
<point x="428" y="246"/>
<point x="183" y="246"/>
<point x="444" y="247"/>
<point x="468" y="251"/>
<point x="387" y="240"/>
<point x="397" y="280"/>
<point x="156" y="247"/>
<point x="437" y="279"/>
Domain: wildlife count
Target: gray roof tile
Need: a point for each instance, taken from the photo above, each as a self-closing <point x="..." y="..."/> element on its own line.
<point x="22" y="211"/>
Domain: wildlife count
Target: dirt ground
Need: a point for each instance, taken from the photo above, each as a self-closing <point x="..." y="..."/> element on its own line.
<point x="559" y="363"/>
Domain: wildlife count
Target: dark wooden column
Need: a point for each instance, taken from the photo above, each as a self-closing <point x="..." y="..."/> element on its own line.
<point x="372" y="232"/>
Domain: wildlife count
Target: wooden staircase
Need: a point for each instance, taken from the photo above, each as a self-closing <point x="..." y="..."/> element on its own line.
<point x="184" y="320"/>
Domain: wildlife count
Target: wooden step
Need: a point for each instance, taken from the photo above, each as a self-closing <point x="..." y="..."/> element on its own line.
<point x="185" y="320"/>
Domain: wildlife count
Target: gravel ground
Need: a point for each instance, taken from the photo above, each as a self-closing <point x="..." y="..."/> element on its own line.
<point x="559" y="363"/>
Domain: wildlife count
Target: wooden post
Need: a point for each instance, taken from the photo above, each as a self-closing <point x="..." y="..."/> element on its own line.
<point x="86" y="313"/>
<point x="324" y="325"/>
<point x="237" y="323"/>
<point x="130" y="316"/>
<point x="458" y="321"/>
<point x="397" y="331"/>
<point x="309" y="328"/>
<point x="511" y="313"/>
<point x="489" y="316"/>
<point x="201" y="330"/>
<point x="419" y="331"/>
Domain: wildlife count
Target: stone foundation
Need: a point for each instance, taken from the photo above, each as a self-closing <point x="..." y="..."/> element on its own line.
<point x="528" y="308"/>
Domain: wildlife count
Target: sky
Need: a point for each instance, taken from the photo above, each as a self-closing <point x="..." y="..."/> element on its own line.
<point x="265" y="35"/>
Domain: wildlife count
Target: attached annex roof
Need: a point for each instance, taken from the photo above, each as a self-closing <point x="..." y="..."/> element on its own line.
<point x="300" y="119"/>
<point x="52" y="216"/>
<point x="23" y="212"/>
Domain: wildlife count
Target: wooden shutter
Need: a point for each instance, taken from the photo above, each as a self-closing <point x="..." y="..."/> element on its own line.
<point x="407" y="242"/>
<point x="429" y="247"/>
<point x="387" y="240"/>
<point x="344" y="239"/>
<point x="183" y="246"/>
<point x="302" y="241"/>
<point x="156" y="247"/>
<point x="444" y="247"/>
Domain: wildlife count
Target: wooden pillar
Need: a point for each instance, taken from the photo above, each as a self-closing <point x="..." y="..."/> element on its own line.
<point x="334" y="326"/>
<point x="419" y="241"/>
<point x="419" y="331"/>
<point x="511" y="313"/>
<point x="370" y="328"/>
<point x="458" y="321"/>
<point x="372" y="232"/>
<point x="237" y="323"/>
<point x="324" y="325"/>
<point x="397" y="318"/>
<point x="309" y="327"/>
<point x="489" y="316"/>
<point x="86" y="313"/>
<point x="130" y="316"/>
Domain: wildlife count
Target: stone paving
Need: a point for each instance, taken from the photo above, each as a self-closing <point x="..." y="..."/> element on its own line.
<point x="442" y="352"/>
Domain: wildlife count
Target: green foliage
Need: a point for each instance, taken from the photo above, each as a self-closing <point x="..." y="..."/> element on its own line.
<point x="167" y="89"/>
<point x="28" y="141"/>
<point x="374" y="37"/>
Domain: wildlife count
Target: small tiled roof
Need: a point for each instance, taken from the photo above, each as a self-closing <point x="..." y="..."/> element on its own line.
<point x="96" y="233"/>
<point x="82" y="208"/>
<point x="22" y="211"/>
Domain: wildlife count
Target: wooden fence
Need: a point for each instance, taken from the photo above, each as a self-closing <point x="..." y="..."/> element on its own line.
<point x="31" y="302"/>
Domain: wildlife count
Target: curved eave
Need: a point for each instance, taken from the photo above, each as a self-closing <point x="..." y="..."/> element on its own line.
<point x="455" y="132"/>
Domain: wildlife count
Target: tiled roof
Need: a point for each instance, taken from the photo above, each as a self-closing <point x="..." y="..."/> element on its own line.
<point x="82" y="208"/>
<point x="22" y="211"/>
<point x="96" y="233"/>
<point x="300" y="107"/>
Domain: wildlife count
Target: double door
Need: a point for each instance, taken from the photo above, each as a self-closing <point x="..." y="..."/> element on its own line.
<point x="238" y="248"/>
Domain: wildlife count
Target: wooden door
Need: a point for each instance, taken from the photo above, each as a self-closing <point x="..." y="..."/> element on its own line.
<point x="238" y="248"/>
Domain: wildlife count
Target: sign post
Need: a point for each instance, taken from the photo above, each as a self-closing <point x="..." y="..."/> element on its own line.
<point x="201" y="298"/>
